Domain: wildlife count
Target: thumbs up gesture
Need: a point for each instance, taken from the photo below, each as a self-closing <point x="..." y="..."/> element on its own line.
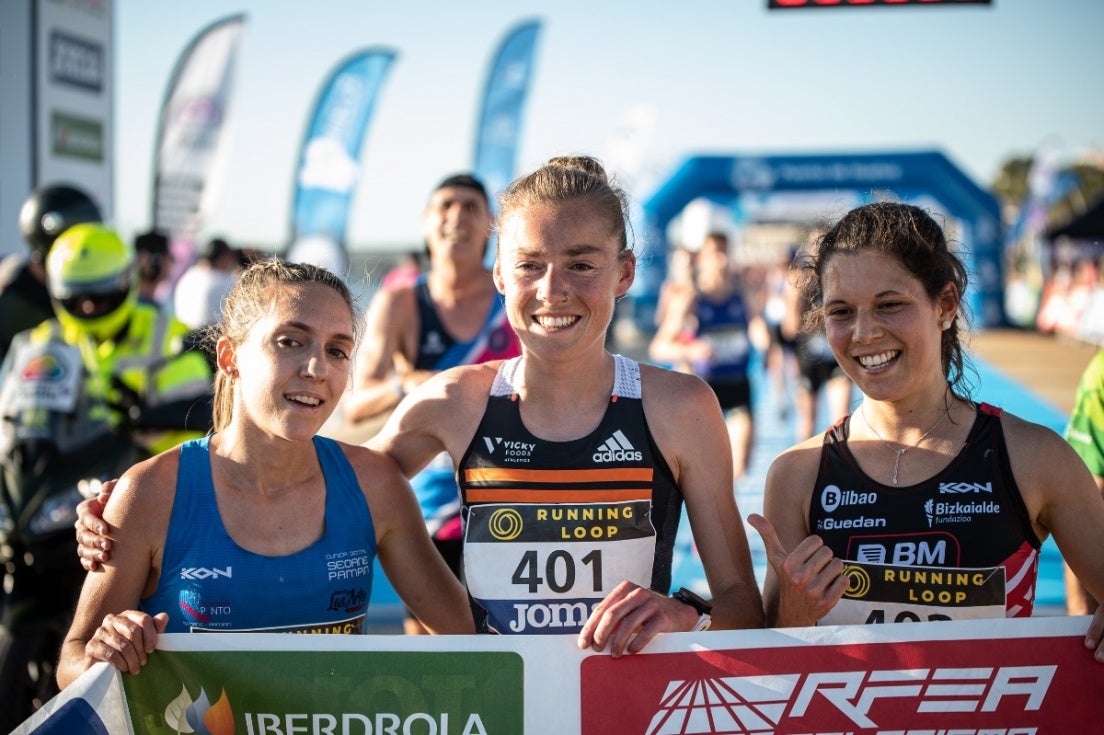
<point x="808" y="581"/>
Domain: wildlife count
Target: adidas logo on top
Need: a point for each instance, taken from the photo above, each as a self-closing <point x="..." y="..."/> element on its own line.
<point x="617" y="449"/>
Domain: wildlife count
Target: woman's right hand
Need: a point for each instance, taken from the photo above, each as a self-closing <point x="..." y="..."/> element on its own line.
<point x="810" y="578"/>
<point x="93" y="542"/>
<point x="126" y="640"/>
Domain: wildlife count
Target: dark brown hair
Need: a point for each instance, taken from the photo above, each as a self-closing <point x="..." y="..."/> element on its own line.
<point x="911" y="236"/>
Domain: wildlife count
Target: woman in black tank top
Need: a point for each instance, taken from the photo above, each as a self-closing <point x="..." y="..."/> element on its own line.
<point x="540" y="451"/>
<point x="878" y="519"/>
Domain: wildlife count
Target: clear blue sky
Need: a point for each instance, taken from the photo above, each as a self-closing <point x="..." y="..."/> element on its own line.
<point x="979" y="83"/>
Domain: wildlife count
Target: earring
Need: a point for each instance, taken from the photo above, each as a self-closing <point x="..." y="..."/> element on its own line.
<point x="945" y="325"/>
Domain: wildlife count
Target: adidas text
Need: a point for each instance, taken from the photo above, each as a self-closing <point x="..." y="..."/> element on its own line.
<point x="619" y="455"/>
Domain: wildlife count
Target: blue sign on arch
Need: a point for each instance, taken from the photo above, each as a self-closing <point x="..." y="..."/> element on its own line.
<point x="926" y="175"/>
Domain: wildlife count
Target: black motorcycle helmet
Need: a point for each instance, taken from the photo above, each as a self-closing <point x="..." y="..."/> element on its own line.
<point x="50" y="211"/>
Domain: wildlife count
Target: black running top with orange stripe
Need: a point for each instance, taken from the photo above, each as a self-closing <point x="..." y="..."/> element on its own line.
<point x="552" y="527"/>
<point x="958" y="545"/>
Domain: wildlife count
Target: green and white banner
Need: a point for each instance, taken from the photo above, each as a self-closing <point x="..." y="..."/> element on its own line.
<point x="997" y="677"/>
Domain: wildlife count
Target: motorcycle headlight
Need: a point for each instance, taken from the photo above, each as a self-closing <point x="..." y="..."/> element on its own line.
<point x="57" y="512"/>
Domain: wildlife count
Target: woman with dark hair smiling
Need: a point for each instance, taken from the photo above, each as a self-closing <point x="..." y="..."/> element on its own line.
<point x="920" y="482"/>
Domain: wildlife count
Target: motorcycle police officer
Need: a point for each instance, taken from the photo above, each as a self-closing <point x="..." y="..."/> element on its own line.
<point x="24" y="299"/>
<point x="83" y="396"/>
<point x="134" y="352"/>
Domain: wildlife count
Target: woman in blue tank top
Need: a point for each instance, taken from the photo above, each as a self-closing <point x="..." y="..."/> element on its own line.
<point x="599" y="452"/>
<point x="263" y="525"/>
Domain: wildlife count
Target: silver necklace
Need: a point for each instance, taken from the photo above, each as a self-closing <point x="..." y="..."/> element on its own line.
<point x="901" y="452"/>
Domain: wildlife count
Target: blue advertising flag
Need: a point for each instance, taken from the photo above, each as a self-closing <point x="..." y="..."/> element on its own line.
<point x="503" y="100"/>
<point x="328" y="162"/>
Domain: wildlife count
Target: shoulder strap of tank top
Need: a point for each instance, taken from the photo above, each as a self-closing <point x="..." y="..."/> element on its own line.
<point x="504" y="379"/>
<point x="626" y="377"/>
<point x="427" y="310"/>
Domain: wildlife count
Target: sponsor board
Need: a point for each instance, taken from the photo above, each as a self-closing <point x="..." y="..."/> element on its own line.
<point x="989" y="677"/>
<point x="964" y="686"/>
<point x="73" y="136"/>
<point x="76" y="61"/>
<point x="303" y="692"/>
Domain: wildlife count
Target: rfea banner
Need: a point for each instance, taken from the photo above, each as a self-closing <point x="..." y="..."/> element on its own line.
<point x="1029" y="676"/>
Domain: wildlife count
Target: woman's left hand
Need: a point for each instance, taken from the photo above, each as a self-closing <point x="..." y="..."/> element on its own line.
<point x="630" y="617"/>
<point x="126" y="640"/>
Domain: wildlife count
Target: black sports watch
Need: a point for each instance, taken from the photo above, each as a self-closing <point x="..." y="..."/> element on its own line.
<point x="699" y="603"/>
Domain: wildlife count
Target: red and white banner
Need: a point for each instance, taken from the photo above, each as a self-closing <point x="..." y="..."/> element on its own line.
<point x="986" y="677"/>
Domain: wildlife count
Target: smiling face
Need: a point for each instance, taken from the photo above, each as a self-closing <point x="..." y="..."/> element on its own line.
<point x="561" y="267"/>
<point x="294" y="364"/>
<point x="457" y="223"/>
<point x="884" y="330"/>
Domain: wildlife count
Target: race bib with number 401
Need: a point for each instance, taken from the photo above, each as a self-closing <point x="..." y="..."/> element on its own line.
<point x="541" y="568"/>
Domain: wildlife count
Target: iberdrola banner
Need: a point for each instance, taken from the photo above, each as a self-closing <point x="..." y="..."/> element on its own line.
<point x="329" y="160"/>
<point x="1028" y="676"/>
<point x="504" y="97"/>
<point x="190" y="127"/>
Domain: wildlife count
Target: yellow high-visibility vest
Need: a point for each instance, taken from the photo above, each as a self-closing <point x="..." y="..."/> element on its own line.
<point x="147" y="357"/>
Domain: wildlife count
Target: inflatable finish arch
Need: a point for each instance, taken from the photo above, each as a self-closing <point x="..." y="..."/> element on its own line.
<point x="907" y="176"/>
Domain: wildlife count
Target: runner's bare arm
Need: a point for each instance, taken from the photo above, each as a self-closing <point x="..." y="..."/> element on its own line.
<point x="439" y="416"/>
<point x="804" y="579"/>
<point x="696" y="447"/>
<point x="107" y="625"/>
<point x="1063" y="499"/>
<point x="413" y="566"/>
<point x="381" y="356"/>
